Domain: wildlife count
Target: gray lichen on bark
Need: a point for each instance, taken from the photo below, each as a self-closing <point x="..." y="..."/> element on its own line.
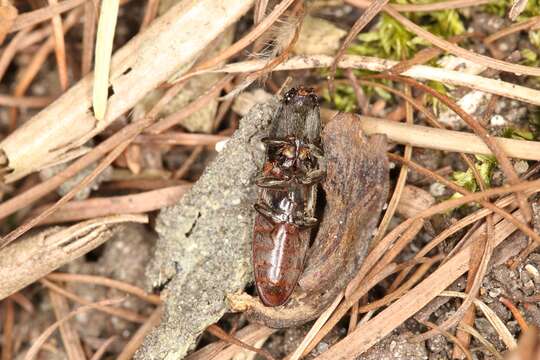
<point x="203" y="251"/>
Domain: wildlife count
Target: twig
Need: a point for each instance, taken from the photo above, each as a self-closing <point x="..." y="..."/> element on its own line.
<point x="34" y="257"/>
<point x="421" y="72"/>
<point x="127" y="204"/>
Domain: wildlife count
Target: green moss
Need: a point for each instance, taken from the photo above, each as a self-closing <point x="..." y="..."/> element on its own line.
<point x="518" y="134"/>
<point x="485" y="165"/>
<point x="344" y="98"/>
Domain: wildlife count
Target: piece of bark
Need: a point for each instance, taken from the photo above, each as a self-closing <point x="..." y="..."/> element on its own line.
<point x="173" y="41"/>
<point x="33" y="257"/>
<point x="356" y="187"/>
<point x="204" y="246"/>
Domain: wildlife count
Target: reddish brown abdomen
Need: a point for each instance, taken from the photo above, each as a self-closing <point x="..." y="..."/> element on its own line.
<point x="278" y="259"/>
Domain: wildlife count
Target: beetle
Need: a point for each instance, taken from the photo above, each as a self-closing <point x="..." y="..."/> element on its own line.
<point x="293" y="167"/>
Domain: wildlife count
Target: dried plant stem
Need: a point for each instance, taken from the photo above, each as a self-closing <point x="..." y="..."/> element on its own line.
<point x="104" y="42"/>
<point x="421" y="72"/>
<point x="447" y="140"/>
<point x="382" y="324"/>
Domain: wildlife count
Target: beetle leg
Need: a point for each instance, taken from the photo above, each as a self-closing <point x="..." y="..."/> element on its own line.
<point x="275" y="142"/>
<point x="271" y="183"/>
<point x="312" y="177"/>
<point x="268" y="213"/>
<point x="306" y="221"/>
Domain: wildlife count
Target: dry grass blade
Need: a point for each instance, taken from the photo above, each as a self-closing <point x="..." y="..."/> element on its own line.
<point x="447" y="140"/>
<point x="34" y="221"/>
<point x="495" y="321"/>
<point x="104" y="44"/>
<point x="149" y="13"/>
<point x="515" y="312"/>
<point x="123" y="137"/>
<point x="136" y="340"/>
<point x="34" y="349"/>
<point x="127" y="204"/>
<point x="251" y="334"/>
<point x="480" y="267"/>
<point x="247" y="39"/>
<point x="10" y="50"/>
<point x="39" y="144"/>
<point x="26" y="102"/>
<point x="114" y="284"/>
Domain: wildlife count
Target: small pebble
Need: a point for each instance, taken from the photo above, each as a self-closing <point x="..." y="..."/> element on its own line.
<point x="220" y="145"/>
<point x="494" y="293"/>
<point x="437" y="189"/>
<point x="533" y="271"/>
